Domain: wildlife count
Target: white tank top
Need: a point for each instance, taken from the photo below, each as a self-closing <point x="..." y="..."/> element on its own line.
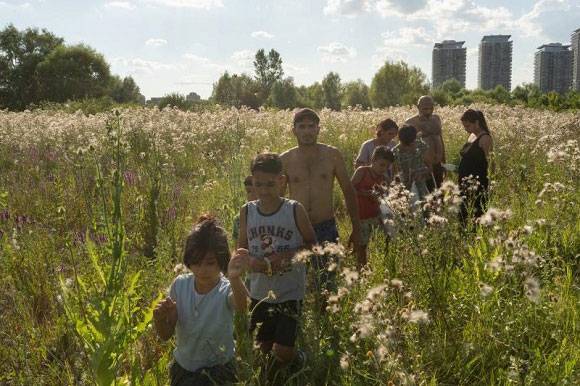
<point x="273" y="233"/>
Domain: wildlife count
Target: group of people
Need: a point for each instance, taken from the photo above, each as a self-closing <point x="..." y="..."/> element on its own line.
<point x="272" y="229"/>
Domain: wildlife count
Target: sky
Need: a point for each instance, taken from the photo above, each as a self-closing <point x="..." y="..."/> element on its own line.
<point x="185" y="45"/>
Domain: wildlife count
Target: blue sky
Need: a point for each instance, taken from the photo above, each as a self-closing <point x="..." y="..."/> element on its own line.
<point x="185" y="45"/>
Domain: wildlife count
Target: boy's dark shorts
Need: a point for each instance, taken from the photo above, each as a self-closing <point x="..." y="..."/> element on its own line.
<point x="207" y="376"/>
<point x="276" y="322"/>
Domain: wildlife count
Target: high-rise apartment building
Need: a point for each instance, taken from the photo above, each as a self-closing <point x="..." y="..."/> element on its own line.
<point x="553" y="68"/>
<point x="575" y="39"/>
<point x="448" y="62"/>
<point x="495" y="62"/>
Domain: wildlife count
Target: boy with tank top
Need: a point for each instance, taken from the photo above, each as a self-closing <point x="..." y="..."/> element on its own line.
<point x="272" y="230"/>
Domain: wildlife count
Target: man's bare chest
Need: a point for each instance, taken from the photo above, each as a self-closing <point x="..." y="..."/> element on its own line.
<point x="309" y="171"/>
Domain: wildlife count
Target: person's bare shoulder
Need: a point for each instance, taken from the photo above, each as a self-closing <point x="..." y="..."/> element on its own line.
<point x="411" y="120"/>
<point x="329" y="151"/>
<point x="436" y="118"/>
<point x="288" y="153"/>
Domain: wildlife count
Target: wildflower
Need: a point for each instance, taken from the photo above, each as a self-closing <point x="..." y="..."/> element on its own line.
<point x="397" y="284"/>
<point x="416" y="316"/>
<point x="485" y="290"/>
<point x="302" y="257"/>
<point x="436" y="220"/>
<point x="179" y="269"/>
<point x="344" y="361"/>
<point x="532" y="289"/>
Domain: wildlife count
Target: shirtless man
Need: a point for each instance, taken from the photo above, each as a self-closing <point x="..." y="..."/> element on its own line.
<point x="311" y="168"/>
<point x="429" y="127"/>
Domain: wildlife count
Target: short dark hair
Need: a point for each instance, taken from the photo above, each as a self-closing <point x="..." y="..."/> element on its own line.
<point x="407" y="134"/>
<point x="305" y="113"/>
<point x="386" y="125"/>
<point x="267" y="163"/>
<point x="207" y="236"/>
<point x="383" y="152"/>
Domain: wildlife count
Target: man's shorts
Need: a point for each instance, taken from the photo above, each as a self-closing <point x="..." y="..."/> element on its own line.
<point x="206" y="376"/>
<point x="326" y="232"/>
<point x="276" y="322"/>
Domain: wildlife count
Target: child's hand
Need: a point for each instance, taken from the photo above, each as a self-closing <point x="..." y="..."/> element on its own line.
<point x="238" y="263"/>
<point x="166" y="311"/>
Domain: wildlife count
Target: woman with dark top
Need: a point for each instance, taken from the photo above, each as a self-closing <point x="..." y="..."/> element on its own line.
<point x="473" y="178"/>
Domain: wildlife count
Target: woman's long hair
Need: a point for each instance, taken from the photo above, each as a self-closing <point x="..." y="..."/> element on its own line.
<point x="471" y="115"/>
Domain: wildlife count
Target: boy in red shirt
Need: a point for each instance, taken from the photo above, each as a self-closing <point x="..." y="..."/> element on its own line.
<point x="366" y="180"/>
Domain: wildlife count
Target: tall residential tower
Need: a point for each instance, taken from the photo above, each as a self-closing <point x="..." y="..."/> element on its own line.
<point x="575" y="39"/>
<point x="448" y="62"/>
<point x="495" y="62"/>
<point x="553" y="68"/>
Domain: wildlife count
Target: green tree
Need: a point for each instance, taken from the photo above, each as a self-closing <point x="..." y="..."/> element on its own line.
<point x="283" y="94"/>
<point x="332" y="91"/>
<point x="174" y="100"/>
<point x="500" y="95"/>
<point x="75" y="72"/>
<point x="356" y="93"/>
<point x="236" y="90"/>
<point x="312" y="96"/>
<point x="396" y="84"/>
<point x="124" y="91"/>
<point x="268" y="70"/>
<point x="20" y="53"/>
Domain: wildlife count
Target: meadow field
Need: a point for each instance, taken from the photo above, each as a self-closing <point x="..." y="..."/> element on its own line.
<point x="94" y="210"/>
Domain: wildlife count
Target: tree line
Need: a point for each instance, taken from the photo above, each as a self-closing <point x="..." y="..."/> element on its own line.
<point x="37" y="67"/>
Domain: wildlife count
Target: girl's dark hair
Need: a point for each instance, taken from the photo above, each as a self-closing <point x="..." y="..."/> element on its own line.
<point x="407" y="134"/>
<point x="471" y="115"/>
<point x="207" y="237"/>
<point x="383" y="152"/>
<point x="387" y="124"/>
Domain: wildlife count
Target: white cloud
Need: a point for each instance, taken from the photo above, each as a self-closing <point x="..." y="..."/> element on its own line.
<point x="155" y="42"/>
<point x="399" y="7"/>
<point x="336" y="52"/>
<point x="348" y="8"/>
<point x="550" y="19"/>
<point x="9" y="6"/>
<point x="262" y="35"/>
<point x="120" y="5"/>
<point x="200" y="4"/>
<point x="199" y="61"/>
<point x="143" y="66"/>
<point x="407" y="36"/>
<point x="243" y="58"/>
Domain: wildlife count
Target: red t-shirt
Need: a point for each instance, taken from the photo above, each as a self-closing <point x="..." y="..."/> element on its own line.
<point x="368" y="207"/>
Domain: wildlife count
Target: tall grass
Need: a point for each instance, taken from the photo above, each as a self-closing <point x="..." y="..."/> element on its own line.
<point x="93" y="211"/>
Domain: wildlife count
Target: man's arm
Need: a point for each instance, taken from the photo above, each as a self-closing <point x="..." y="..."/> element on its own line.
<point x="355" y="179"/>
<point x="305" y="226"/>
<point x="349" y="194"/>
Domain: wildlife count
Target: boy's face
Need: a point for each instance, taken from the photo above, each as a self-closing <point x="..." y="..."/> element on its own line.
<point x="380" y="166"/>
<point x="207" y="269"/>
<point x="386" y="136"/>
<point x="306" y="131"/>
<point x="267" y="186"/>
